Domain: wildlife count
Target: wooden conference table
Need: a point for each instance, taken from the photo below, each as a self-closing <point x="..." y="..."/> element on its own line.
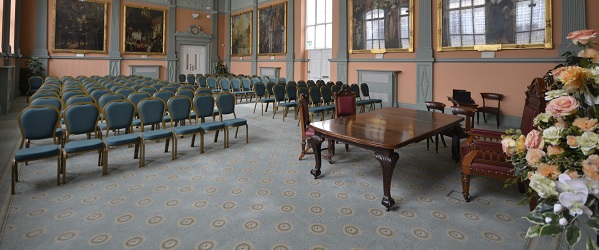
<point x="383" y="131"/>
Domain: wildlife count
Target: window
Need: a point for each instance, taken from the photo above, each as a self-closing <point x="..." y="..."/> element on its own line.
<point x="466" y="22"/>
<point x="510" y="23"/>
<point x="375" y="29"/>
<point x="319" y="29"/>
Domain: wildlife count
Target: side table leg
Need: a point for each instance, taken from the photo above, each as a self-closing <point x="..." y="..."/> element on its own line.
<point x="316" y="143"/>
<point x="388" y="164"/>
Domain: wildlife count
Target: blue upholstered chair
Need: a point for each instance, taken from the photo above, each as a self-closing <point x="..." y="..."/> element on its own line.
<point x="359" y="102"/>
<point x="47" y="101"/>
<point x="79" y="99"/>
<point x="262" y="96"/>
<point x="225" y="85"/>
<point x="35" y="82"/>
<point x="98" y="93"/>
<point x="225" y="102"/>
<point x="182" y="78"/>
<point x="37" y="122"/>
<point x="179" y="108"/>
<point x="279" y="95"/>
<point x="68" y="94"/>
<point x="316" y="101"/>
<point x="82" y="118"/>
<point x="202" y="82"/>
<point x="119" y="115"/>
<point x="213" y="85"/>
<point x="191" y="79"/>
<point x="203" y="105"/>
<point x="203" y="91"/>
<point x="135" y="98"/>
<point x="151" y="112"/>
<point x="236" y="89"/>
<point x="366" y="94"/>
<point x="148" y="89"/>
<point x="125" y="91"/>
<point x="248" y="90"/>
<point x="106" y="98"/>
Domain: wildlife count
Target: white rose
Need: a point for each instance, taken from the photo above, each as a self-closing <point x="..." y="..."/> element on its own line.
<point x="588" y="141"/>
<point x="544" y="187"/>
<point x="552" y="135"/>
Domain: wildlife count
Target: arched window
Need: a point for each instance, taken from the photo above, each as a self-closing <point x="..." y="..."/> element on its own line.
<point x="375" y="29"/>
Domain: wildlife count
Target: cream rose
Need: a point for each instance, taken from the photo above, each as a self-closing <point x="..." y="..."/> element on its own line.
<point x="562" y="106"/>
<point x="572" y="141"/>
<point x="520" y="144"/>
<point x="581" y="37"/>
<point x="508" y="145"/>
<point x="588" y="141"/>
<point x="552" y="135"/>
<point x="534" y="155"/>
<point x="541" y="117"/>
<point x="585" y="123"/>
<point x="543" y="186"/>
<point x="573" y="77"/>
<point x="589" y="53"/>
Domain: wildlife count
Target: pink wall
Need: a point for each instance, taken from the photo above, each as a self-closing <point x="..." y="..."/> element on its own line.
<point x="241" y="67"/>
<point x="76" y="67"/>
<point x="183" y="20"/>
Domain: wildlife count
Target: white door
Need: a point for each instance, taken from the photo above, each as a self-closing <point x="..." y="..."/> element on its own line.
<point x="193" y="59"/>
<point x="319" y="66"/>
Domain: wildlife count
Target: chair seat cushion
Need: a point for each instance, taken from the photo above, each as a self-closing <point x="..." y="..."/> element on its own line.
<point x="363" y="102"/>
<point x="289" y="104"/>
<point x="156" y="134"/>
<point x="211" y="125"/>
<point x="235" y="122"/>
<point x="189" y="129"/>
<point x="136" y="122"/>
<point x="37" y="152"/>
<point x="122" y="139"/>
<point x="319" y="109"/>
<point x="328" y="107"/>
<point x="488" y="109"/>
<point x="376" y="100"/>
<point x="266" y="100"/>
<point x="84" y="145"/>
<point x="166" y="118"/>
<point x="309" y="132"/>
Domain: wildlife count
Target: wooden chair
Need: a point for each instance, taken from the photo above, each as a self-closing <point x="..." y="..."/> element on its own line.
<point x="482" y="153"/>
<point x="307" y="132"/>
<point x="489" y="99"/>
<point x="345" y="105"/>
<point x="434" y="107"/>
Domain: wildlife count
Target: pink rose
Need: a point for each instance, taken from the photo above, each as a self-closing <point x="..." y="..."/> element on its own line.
<point x="534" y="139"/>
<point x="534" y="155"/>
<point x="556" y="72"/>
<point x="554" y="150"/>
<point x="508" y="145"/>
<point x="571" y="141"/>
<point x="562" y="106"/>
<point x="581" y="37"/>
<point x="590" y="167"/>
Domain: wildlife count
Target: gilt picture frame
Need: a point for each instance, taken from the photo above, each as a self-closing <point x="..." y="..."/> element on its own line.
<point x="512" y="25"/>
<point x="272" y="29"/>
<point x="241" y="34"/>
<point x="144" y="30"/>
<point x="381" y="26"/>
<point x="81" y="27"/>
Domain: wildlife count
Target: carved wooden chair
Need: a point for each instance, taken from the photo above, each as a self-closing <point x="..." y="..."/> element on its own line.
<point x="482" y="153"/>
<point x="491" y="105"/>
<point x="307" y="132"/>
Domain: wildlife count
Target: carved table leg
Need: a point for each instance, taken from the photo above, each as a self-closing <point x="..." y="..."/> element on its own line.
<point x="316" y="143"/>
<point x="388" y="162"/>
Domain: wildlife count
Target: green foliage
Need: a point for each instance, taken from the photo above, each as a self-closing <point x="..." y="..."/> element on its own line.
<point x="219" y="68"/>
<point x="572" y="235"/>
<point x="35" y="66"/>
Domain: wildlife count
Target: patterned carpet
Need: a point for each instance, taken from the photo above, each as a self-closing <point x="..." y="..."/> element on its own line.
<point x="259" y="196"/>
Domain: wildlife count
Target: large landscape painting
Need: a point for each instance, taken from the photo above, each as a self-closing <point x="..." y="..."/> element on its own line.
<point x="80" y="26"/>
<point x="241" y="34"/>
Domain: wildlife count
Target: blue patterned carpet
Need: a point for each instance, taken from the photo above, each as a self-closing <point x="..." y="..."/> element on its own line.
<point x="258" y="196"/>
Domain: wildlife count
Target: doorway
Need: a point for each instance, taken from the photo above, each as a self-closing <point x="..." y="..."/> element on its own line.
<point x="319" y="66"/>
<point x="193" y="59"/>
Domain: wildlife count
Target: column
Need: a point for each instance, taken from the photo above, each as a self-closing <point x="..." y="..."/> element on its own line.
<point x="214" y="41"/>
<point x="254" y="58"/>
<point x="114" y="55"/>
<point x="41" y="33"/>
<point x="573" y="18"/>
<point x="342" y="52"/>
<point x="289" y="75"/>
<point x="171" y="55"/>
<point x="424" y="53"/>
<point x="227" y="30"/>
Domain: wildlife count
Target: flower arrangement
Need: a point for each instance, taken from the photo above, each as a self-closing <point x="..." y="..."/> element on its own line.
<point x="560" y="158"/>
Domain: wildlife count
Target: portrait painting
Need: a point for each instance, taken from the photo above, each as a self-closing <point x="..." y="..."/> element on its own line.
<point x="241" y="34"/>
<point x="380" y="26"/>
<point x="143" y="30"/>
<point x="272" y="29"/>
<point x="505" y="24"/>
<point x="79" y="26"/>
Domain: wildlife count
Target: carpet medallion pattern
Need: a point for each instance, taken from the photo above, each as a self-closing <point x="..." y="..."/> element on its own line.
<point x="259" y="196"/>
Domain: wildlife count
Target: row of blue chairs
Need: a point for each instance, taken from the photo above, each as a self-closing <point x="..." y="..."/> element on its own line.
<point x="43" y="121"/>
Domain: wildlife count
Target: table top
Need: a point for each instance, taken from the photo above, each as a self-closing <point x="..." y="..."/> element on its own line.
<point x="388" y="128"/>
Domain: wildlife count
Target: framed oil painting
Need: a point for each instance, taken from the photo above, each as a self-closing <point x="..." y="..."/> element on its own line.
<point x="81" y="26"/>
<point x="493" y="24"/>
<point x="272" y="29"/>
<point x="241" y="34"/>
<point x="143" y="30"/>
<point x="381" y="26"/>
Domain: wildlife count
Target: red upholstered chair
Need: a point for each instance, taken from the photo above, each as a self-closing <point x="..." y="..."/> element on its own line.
<point x="345" y="105"/>
<point x="482" y="154"/>
<point x="307" y="132"/>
